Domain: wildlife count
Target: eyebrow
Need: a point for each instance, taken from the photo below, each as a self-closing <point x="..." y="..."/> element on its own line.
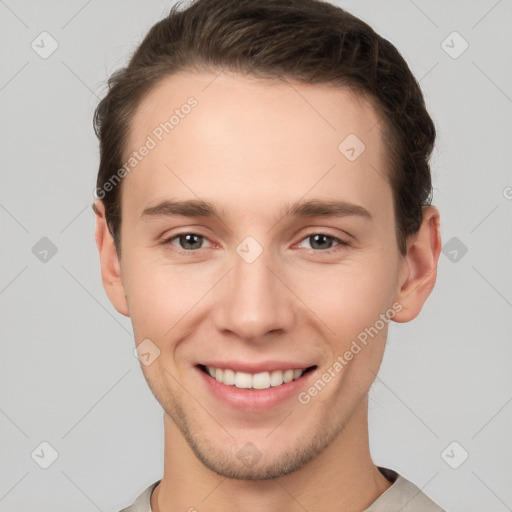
<point x="301" y="209"/>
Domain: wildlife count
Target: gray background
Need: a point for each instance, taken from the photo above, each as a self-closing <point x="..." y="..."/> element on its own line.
<point x="69" y="376"/>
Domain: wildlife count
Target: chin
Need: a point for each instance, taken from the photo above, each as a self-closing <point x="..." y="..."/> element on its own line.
<point x="243" y="459"/>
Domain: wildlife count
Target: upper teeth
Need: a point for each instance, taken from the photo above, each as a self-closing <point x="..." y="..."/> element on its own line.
<point x="261" y="380"/>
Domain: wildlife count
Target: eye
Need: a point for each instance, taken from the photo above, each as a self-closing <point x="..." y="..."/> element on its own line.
<point x="192" y="242"/>
<point x="320" y="242"/>
<point x="187" y="242"/>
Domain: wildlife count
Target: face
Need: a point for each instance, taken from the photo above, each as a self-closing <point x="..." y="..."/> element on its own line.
<point x="286" y="256"/>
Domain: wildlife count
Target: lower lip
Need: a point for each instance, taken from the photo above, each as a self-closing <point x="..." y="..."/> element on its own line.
<point x="254" y="399"/>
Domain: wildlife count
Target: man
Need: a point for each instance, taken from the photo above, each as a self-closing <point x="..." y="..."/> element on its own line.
<point x="263" y="212"/>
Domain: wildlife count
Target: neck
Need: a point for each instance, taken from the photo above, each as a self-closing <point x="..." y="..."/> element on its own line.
<point x="341" y="477"/>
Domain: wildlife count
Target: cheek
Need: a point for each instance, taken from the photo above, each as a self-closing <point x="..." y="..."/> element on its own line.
<point x="168" y="301"/>
<point x="162" y="297"/>
<point x="347" y="297"/>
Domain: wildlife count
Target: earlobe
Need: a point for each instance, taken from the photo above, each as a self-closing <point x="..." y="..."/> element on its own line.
<point x="419" y="270"/>
<point x="111" y="275"/>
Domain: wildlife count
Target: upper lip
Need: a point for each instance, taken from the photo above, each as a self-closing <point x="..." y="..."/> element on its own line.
<point x="252" y="367"/>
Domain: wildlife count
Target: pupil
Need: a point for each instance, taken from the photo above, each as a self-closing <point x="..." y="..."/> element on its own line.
<point x="317" y="238"/>
<point x="188" y="239"/>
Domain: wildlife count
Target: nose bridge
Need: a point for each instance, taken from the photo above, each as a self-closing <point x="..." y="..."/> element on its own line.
<point x="253" y="301"/>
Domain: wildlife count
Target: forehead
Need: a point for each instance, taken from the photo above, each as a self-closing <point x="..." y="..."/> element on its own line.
<point x="238" y="140"/>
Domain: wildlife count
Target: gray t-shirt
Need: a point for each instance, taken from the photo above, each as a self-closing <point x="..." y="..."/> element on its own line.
<point x="402" y="496"/>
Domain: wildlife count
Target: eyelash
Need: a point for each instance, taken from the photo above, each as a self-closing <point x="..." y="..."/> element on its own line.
<point x="340" y="243"/>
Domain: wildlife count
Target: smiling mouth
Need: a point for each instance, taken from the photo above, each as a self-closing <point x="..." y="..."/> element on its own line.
<point x="254" y="381"/>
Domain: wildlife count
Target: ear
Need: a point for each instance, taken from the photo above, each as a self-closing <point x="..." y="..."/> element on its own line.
<point x="110" y="266"/>
<point x="419" y="266"/>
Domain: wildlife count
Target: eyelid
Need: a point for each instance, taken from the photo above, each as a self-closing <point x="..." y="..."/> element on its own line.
<point x="340" y="245"/>
<point x="168" y="239"/>
<point x="340" y="241"/>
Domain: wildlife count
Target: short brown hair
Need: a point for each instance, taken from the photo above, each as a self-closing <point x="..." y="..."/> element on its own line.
<point x="309" y="41"/>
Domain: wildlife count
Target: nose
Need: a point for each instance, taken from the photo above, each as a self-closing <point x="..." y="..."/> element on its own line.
<point x="253" y="302"/>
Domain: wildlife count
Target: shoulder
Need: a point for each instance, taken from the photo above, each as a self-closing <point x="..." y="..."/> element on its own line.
<point x="142" y="503"/>
<point x="402" y="496"/>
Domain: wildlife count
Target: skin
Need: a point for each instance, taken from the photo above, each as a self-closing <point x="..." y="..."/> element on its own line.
<point x="253" y="147"/>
